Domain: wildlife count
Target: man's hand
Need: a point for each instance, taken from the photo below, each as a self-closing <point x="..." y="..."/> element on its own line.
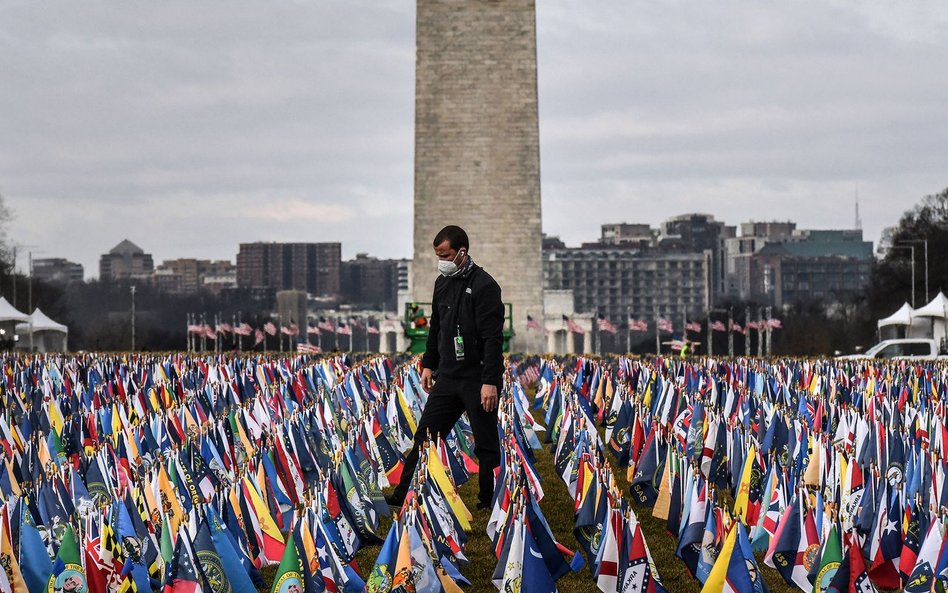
<point x="489" y="397"/>
<point x="426" y="382"/>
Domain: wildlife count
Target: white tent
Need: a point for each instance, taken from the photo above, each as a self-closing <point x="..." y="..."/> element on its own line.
<point x="42" y="334"/>
<point x="9" y="317"/>
<point x="903" y="324"/>
<point x="938" y="308"/>
<point x="901" y="317"/>
<point x="935" y="312"/>
<point x="9" y="313"/>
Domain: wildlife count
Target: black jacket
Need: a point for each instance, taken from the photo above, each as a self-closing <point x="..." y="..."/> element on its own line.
<point x="481" y="321"/>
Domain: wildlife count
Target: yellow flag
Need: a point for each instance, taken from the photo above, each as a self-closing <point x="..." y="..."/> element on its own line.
<point x="743" y="491"/>
<point x="436" y="470"/>
<point x="718" y="575"/>
<point x="55" y="417"/>
<point x="9" y="561"/>
<point x="267" y="525"/>
<point x="169" y="500"/>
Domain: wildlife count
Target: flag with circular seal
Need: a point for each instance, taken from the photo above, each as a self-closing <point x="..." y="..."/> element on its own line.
<point x="68" y="576"/>
<point x="288" y="579"/>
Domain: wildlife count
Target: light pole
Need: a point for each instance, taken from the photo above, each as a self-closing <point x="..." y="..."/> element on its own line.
<point x="133" y="318"/>
<point x="924" y="243"/>
<point x="912" y="249"/>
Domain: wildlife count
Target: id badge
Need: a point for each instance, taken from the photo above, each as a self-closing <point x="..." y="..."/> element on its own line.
<point x="459" y="347"/>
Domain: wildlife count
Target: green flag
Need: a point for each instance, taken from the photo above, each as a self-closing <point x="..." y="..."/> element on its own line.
<point x="167" y="548"/>
<point x="829" y="562"/>
<point x="288" y="579"/>
<point x="67" y="571"/>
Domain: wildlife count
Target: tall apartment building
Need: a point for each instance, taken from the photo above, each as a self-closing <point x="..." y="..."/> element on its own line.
<point x="370" y="282"/>
<point x="312" y="267"/>
<point x="617" y="281"/>
<point x="696" y="233"/>
<point x="56" y="270"/>
<point x="124" y="261"/>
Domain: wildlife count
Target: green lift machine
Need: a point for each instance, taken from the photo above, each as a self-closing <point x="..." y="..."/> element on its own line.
<point x="415" y="325"/>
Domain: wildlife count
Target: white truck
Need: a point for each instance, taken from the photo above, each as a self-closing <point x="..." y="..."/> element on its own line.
<point x="908" y="348"/>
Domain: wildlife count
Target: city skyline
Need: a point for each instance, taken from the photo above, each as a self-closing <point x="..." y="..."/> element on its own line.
<point x="191" y="130"/>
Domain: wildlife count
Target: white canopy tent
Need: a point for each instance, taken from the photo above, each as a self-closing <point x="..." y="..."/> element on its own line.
<point x="9" y="317"/>
<point x="42" y="334"/>
<point x="935" y="313"/>
<point x="902" y="324"/>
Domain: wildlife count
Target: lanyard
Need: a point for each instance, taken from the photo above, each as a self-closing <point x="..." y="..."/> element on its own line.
<point x="457" y="308"/>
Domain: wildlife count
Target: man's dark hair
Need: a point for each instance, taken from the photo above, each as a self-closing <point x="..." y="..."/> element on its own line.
<point x="455" y="236"/>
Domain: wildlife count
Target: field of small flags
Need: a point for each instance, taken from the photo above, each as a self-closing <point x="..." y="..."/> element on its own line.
<point x="232" y="474"/>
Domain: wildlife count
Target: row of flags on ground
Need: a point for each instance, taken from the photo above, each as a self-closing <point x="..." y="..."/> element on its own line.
<point x="834" y="472"/>
<point x="194" y="473"/>
<point x="184" y="473"/>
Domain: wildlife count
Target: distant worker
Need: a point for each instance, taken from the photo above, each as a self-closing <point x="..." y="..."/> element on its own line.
<point x="465" y="348"/>
<point x="686" y="349"/>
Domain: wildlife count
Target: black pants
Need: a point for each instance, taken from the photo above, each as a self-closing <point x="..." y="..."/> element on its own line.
<point x="448" y="400"/>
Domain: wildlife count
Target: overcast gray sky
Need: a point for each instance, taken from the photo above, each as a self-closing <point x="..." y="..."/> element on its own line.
<point x="189" y="127"/>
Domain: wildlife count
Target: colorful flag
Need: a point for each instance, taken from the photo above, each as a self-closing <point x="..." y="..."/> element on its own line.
<point x="288" y="578"/>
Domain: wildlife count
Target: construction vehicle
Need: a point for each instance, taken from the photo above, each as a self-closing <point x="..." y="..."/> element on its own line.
<point x="415" y="325"/>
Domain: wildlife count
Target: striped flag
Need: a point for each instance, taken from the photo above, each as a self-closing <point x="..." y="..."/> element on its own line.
<point x="665" y="325"/>
<point x="718" y="327"/>
<point x="605" y="325"/>
<point x="269" y="328"/>
<point x="736" y="328"/>
<point x="637" y="325"/>
<point x="535" y="325"/>
<point x="572" y="325"/>
<point x="693" y="326"/>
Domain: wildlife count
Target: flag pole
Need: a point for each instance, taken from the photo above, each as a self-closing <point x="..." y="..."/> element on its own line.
<point x="658" y="338"/>
<point x="730" y="332"/>
<point x="747" y="335"/>
<point x="710" y="335"/>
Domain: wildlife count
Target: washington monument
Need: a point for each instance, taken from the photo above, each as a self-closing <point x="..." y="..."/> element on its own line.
<point x="477" y="146"/>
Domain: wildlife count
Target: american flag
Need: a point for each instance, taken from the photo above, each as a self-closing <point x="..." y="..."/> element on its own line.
<point x="665" y="325"/>
<point x="736" y="328"/>
<point x="605" y="325"/>
<point x="535" y="325"/>
<point x="326" y="324"/>
<point x="572" y="325"/>
<point x="775" y="324"/>
<point x="312" y="329"/>
<point x="343" y="329"/>
<point x="718" y="327"/>
<point x="693" y="326"/>
<point x="270" y="328"/>
<point x="355" y="323"/>
<point x="372" y="330"/>
<point x="258" y="337"/>
<point x="243" y="329"/>
<point x="307" y="348"/>
<point x="752" y="325"/>
<point x="210" y="333"/>
<point x="195" y="329"/>
<point x="225" y="328"/>
<point x="286" y="331"/>
<point x="637" y="325"/>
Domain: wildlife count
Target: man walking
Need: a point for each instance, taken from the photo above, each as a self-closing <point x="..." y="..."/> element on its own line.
<point x="465" y="351"/>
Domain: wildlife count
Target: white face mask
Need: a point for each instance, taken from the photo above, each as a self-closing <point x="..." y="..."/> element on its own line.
<point x="449" y="268"/>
